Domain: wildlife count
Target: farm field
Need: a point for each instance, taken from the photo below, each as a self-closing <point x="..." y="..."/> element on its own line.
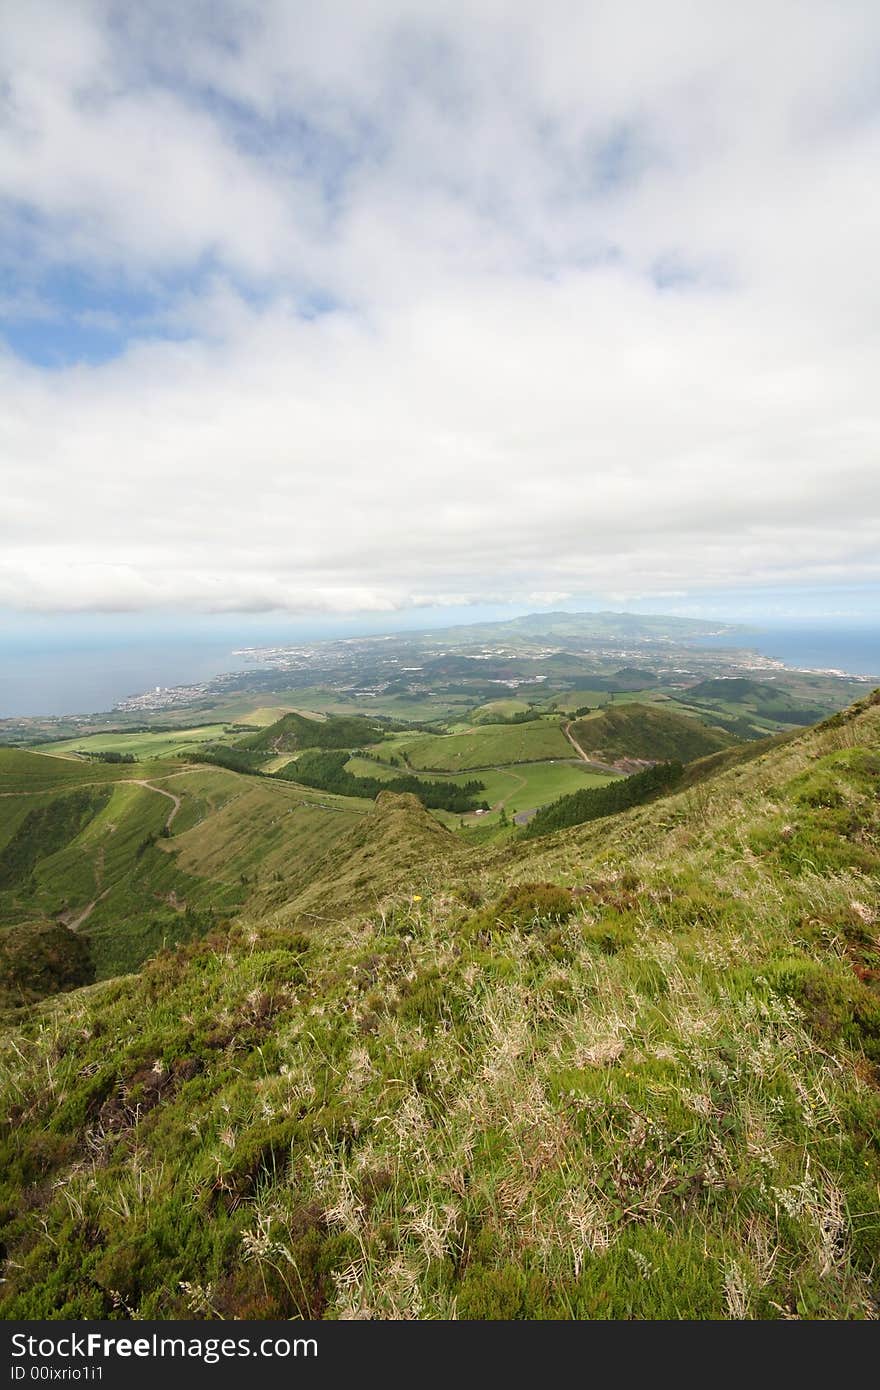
<point x="576" y="699"/>
<point x="520" y="787"/>
<point x="29" y="772"/>
<point x="487" y="745"/>
<point x="498" y="709"/>
<point x="161" y="743"/>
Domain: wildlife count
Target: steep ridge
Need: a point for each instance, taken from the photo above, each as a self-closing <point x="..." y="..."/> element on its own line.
<point x="393" y="845"/>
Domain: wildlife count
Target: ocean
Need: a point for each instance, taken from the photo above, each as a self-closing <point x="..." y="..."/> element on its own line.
<point x="88" y="680"/>
<point x="855" y="650"/>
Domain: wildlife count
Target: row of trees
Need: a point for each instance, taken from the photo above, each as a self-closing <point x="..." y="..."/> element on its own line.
<point x="111" y="756"/>
<point x="326" y="770"/>
<point x="593" y="802"/>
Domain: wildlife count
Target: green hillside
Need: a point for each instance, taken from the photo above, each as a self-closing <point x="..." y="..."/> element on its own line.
<point x="655" y="732"/>
<point x="734" y="689"/>
<point x="501" y="712"/>
<point x="759" y="701"/>
<point x="592" y="803"/>
<point x="627" y="1070"/>
<point x="129" y="864"/>
<point x="294" y="731"/>
<point x="143" y="744"/>
<point x="21" y="771"/>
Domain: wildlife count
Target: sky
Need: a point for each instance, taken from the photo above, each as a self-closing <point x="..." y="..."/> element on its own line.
<point x="366" y="309"/>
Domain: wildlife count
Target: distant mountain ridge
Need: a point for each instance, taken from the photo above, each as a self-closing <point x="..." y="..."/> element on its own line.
<point x="587" y="626"/>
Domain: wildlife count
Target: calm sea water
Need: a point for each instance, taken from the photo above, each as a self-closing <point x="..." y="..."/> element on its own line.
<point x="855" y="650"/>
<point x="87" y="680"/>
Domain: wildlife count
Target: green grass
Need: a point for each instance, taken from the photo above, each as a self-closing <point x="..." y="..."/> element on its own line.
<point x="516" y="788"/>
<point x="632" y="729"/>
<point x="576" y="699"/>
<point x="101" y="850"/>
<point x="628" y="1071"/>
<point x="163" y="743"/>
<point x="295" y="732"/>
<point x="488" y="745"/>
<point x="29" y="773"/>
<point x="498" y="709"/>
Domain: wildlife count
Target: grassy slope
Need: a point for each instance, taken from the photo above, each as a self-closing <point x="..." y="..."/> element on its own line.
<point x="265" y="830"/>
<point x="399" y="842"/>
<point x="494" y="710"/>
<point x="24" y="772"/>
<point x="103" y="845"/>
<point x="655" y="1097"/>
<point x="635" y="730"/>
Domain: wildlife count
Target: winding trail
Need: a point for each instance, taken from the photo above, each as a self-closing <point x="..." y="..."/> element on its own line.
<point x="162" y="792"/>
<point x="592" y="763"/>
<point x="117" y="782"/>
<point x="75" y="923"/>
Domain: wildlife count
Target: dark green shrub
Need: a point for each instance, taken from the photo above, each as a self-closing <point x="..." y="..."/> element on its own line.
<point x="524" y="907"/>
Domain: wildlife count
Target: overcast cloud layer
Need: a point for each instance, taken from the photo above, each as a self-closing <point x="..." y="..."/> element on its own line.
<point x="356" y="306"/>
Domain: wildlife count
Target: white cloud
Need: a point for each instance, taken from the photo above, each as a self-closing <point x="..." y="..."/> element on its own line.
<point x="607" y="302"/>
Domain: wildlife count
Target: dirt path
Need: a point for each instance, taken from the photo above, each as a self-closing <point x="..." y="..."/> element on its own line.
<point x="162" y="792"/>
<point x="499" y="805"/>
<point x="74" y="923"/>
<point x="109" y="781"/>
<point x="591" y="762"/>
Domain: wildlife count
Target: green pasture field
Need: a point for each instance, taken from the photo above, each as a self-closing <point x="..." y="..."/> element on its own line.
<point x="527" y="786"/>
<point x="576" y="699"/>
<point x="519" y="787"/>
<point x="161" y="743"/>
<point x="487" y="745"/>
<point x="27" y="772"/>
<point x="504" y="709"/>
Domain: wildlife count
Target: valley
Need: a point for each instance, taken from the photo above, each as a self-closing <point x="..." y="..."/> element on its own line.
<point x="317" y="1010"/>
